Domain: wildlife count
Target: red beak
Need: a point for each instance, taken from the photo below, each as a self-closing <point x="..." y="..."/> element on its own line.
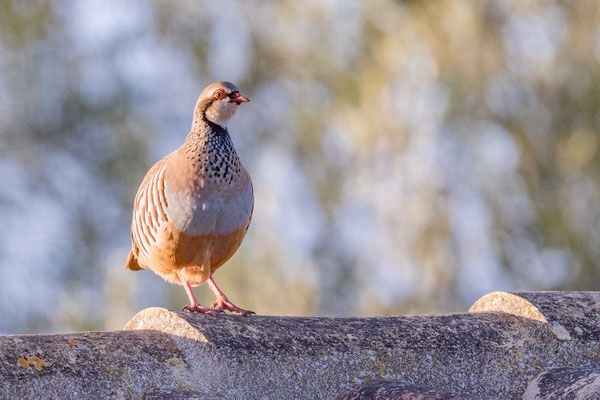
<point x="239" y="99"/>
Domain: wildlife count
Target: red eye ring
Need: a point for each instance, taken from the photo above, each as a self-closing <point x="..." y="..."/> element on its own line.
<point x="220" y="94"/>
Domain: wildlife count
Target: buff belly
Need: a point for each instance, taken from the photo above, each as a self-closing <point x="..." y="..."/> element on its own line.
<point x="201" y="234"/>
<point x="195" y="258"/>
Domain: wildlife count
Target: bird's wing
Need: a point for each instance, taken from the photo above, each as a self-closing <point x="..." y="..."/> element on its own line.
<point x="149" y="210"/>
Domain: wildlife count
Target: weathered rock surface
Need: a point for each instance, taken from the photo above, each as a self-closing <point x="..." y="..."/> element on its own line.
<point x="570" y="314"/>
<point x="565" y="383"/>
<point x="392" y="390"/>
<point x="87" y="365"/>
<point x="164" y="354"/>
<point x="180" y="395"/>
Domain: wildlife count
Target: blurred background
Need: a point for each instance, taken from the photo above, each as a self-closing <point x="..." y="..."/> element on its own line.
<point x="407" y="156"/>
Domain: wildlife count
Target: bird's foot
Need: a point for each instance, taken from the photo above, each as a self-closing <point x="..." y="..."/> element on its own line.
<point x="225" y="304"/>
<point x="202" y="310"/>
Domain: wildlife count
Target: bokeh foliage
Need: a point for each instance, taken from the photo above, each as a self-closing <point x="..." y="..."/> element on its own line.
<point x="406" y="156"/>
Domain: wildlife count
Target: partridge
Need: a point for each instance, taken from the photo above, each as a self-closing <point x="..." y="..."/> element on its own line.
<point x="194" y="206"/>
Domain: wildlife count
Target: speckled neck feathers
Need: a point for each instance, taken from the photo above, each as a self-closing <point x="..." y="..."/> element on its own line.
<point x="208" y="157"/>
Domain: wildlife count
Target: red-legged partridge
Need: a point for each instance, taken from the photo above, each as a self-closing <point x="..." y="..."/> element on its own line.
<point x="194" y="206"/>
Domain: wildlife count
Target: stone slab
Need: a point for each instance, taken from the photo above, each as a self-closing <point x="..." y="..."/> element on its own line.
<point x="488" y="354"/>
<point x="569" y="314"/>
<point x="393" y="390"/>
<point x="565" y="383"/>
<point x="492" y="352"/>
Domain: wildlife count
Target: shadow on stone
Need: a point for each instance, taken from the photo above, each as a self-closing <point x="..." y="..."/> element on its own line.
<point x="565" y="383"/>
<point x="390" y="390"/>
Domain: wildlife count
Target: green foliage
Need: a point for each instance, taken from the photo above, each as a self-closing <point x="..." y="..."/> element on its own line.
<point x="406" y="156"/>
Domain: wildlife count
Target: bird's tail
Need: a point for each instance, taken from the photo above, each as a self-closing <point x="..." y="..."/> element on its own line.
<point x="132" y="263"/>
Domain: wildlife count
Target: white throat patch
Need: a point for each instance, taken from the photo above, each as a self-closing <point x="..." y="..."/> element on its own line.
<point x="221" y="111"/>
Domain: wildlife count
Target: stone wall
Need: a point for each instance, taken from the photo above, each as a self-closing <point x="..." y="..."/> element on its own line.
<point x="494" y="351"/>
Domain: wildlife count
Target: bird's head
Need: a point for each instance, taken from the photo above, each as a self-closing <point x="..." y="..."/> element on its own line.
<point x="218" y="102"/>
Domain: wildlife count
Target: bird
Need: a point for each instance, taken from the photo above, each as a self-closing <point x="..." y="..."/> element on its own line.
<point x="194" y="206"/>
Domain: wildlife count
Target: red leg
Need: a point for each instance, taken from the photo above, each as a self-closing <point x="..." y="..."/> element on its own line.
<point x="194" y="306"/>
<point x="223" y="303"/>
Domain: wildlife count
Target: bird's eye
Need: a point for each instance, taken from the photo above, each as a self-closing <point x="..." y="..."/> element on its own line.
<point x="220" y="94"/>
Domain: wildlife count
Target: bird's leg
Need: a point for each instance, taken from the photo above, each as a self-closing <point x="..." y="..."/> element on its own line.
<point x="223" y="303"/>
<point x="194" y="306"/>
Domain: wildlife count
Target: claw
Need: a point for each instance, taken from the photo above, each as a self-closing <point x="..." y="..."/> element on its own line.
<point x="224" y="304"/>
<point x="202" y="310"/>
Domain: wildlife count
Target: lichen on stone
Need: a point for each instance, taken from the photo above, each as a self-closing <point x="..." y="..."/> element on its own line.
<point x="35" y="362"/>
